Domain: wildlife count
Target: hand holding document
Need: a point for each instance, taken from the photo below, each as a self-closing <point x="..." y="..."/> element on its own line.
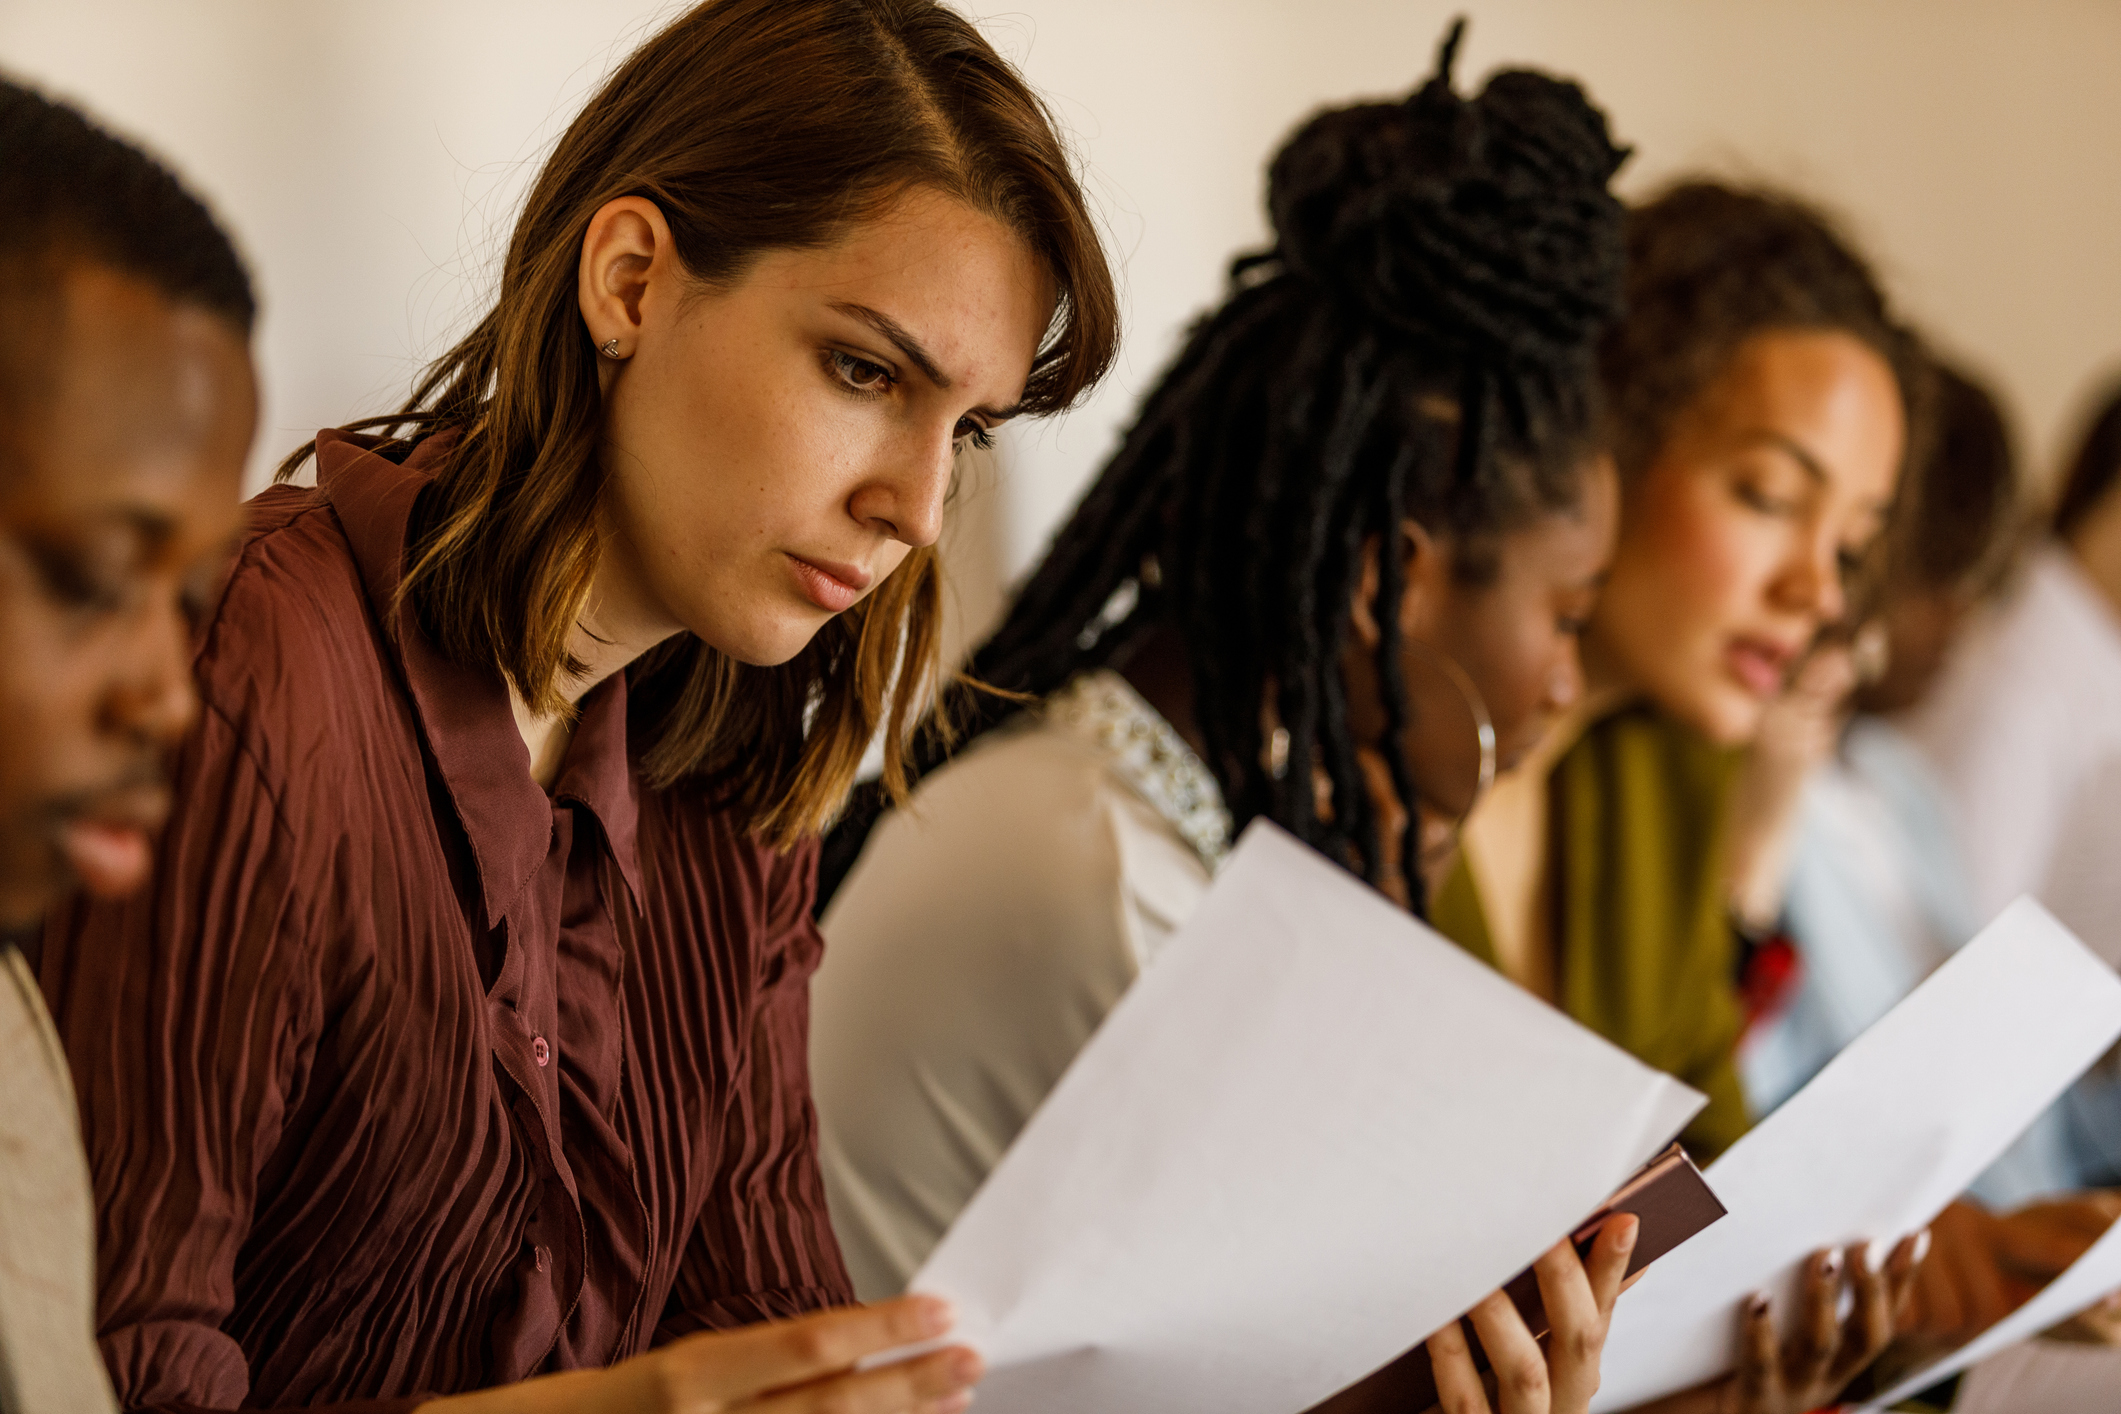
<point x="1311" y="1134"/>
<point x="1892" y="1130"/>
<point x="2094" y="1275"/>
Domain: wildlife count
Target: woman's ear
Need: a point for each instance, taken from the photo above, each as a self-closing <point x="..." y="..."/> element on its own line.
<point x="1421" y="571"/>
<point x="625" y="251"/>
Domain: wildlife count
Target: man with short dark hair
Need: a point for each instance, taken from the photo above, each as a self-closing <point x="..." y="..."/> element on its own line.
<point x="127" y="405"/>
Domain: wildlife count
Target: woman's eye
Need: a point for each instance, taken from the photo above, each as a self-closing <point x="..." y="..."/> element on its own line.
<point x="971" y="434"/>
<point x="1851" y="561"/>
<point x="860" y="374"/>
<point x="1760" y="500"/>
<point x="1571" y="627"/>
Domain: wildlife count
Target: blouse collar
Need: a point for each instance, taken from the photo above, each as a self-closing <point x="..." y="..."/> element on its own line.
<point x="464" y="712"/>
<point x="1100" y="708"/>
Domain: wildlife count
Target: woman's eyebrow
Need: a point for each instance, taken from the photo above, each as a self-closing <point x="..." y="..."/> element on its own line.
<point x="1796" y="451"/>
<point x="899" y="336"/>
<point x="902" y="339"/>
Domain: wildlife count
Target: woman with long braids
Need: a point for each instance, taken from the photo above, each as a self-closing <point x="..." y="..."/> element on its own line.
<point x="457" y="1050"/>
<point x="1333" y="573"/>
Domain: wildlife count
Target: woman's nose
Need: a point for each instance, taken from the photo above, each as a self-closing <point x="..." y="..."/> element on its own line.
<point x="1811" y="584"/>
<point x="905" y="501"/>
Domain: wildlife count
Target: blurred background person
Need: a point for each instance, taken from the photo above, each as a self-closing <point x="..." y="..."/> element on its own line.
<point x="127" y="404"/>
<point x="2023" y="726"/>
<point x="1877" y="891"/>
<point x="1760" y="391"/>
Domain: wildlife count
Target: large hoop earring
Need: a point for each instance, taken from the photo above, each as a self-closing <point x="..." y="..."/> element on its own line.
<point x="1483" y="734"/>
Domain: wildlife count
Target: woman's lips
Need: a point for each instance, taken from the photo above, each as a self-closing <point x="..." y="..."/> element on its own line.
<point x="1760" y="667"/>
<point x="835" y="588"/>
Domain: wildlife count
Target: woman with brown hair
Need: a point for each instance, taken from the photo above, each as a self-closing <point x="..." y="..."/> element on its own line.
<point x="461" y="1036"/>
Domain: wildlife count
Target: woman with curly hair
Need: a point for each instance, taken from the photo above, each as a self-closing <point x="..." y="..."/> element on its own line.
<point x="1761" y="395"/>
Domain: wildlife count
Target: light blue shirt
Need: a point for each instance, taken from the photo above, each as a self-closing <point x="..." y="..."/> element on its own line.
<point x="1877" y="900"/>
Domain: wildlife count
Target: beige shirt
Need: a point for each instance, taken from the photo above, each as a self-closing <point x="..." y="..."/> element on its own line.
<point x="48" y="1357"/>
<point x="985" y="932"/>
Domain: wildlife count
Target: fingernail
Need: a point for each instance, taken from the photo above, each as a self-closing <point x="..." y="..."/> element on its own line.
<point x="966" y="1367"/>
<point x="953" y="1404"/>
<point x="1830" y="1263"/>
<point x="1922" y="1245"/>
<point x="936" y="1315"/>
<point x="1873" y="1256"/>
<point x="1626" y="1231"/>
<point x="1757" y="1305"/>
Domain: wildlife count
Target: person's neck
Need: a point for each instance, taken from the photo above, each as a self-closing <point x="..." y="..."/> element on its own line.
<point x="605" y="640"/>
<point x="1161" y="672"/>
<point x="2096" y="545"/>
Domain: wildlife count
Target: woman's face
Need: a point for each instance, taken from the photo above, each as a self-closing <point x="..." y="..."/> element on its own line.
<point x="775" y="447"/>
<point x="1735" y="540"/>
<point x="1512" y="630"/>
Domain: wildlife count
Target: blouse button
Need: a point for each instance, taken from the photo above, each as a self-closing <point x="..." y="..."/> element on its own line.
<point x="539" y="1050"/>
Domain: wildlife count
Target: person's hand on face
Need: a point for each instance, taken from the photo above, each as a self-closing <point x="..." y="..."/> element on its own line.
<point x="1797" y="734"/>
<point x="121" y="456"/>
<point x="776" y="444"/>
<point x="1736" y="539"/>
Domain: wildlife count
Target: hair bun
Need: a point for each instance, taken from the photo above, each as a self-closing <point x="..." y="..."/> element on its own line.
<point x="1482" y="222"/>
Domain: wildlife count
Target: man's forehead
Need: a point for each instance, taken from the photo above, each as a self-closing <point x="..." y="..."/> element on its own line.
<point x="140" y="415"/>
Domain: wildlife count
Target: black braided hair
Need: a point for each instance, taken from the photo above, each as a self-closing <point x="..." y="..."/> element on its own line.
<point x="1419" y="343"/>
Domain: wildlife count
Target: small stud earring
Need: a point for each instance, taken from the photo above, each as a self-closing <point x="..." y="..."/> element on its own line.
<point x="609" y="348"/>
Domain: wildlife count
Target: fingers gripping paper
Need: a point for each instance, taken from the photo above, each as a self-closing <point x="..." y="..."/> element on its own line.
<point x="1876" y="1145"/>
<point x="1311" y="1134"/>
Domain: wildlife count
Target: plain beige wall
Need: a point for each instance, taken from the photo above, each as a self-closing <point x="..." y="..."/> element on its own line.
<point x="369" y="154"/>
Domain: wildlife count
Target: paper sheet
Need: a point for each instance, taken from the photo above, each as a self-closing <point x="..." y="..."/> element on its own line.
<point x="2044" y="1377"/>
<point x="2090" y="1277"/>
<point x="1877" y="1144"/>
<point x="1309" y="1135"/>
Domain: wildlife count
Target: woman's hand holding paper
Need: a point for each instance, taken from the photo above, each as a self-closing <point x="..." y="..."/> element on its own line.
<point x="1559" y="1375"/>
<point x="1822" y="1351"/>
<point x="802" y="1366"/>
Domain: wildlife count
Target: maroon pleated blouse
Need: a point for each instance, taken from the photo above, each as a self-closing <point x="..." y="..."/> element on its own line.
<point x="404" y="1077"/>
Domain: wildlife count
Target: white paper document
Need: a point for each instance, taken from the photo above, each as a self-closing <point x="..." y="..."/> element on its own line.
<point x="2089" y="1278"/>
<point x="2044" y="1377"/>
<point x="1891" y="1131"/>
<point x="1311" y="1133"/>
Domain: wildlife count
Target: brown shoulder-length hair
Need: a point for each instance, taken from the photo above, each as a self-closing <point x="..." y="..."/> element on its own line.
<point x="752" y="125"/>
